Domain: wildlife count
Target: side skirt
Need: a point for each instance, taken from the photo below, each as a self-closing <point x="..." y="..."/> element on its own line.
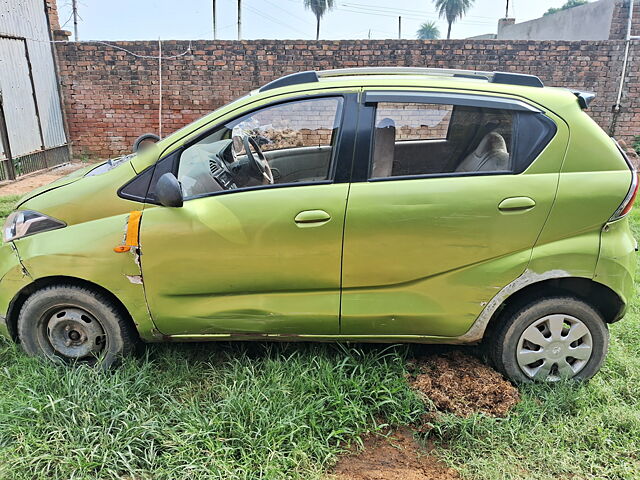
<point x="234" y="337"/>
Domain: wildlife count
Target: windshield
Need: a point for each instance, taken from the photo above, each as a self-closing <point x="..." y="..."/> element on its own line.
<point x="109" y="165"/>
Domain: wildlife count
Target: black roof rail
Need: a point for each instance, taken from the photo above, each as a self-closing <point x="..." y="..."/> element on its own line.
<point x="308" y="76"/>
<point x="311" y="76"/>
<point x="521" y="79"/>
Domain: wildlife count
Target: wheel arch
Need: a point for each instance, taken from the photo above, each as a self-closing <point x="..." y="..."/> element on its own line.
<point x="21" y="297"/>
<point x="605" y="300"/>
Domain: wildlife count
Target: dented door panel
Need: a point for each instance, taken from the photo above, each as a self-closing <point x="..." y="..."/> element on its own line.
<point x="423" y="257"/>
<point x="239" y="262"/>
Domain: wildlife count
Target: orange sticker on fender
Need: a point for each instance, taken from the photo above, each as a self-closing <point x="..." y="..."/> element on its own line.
<point x="133" y="227"/>
<point x="131" y="236"/>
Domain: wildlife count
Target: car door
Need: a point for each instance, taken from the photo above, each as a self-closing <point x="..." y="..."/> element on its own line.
<point x="249" y="258"/>
<point x="446" y="205"/>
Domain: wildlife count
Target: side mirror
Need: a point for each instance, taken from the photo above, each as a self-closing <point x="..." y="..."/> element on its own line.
<point x="168" y="191"/>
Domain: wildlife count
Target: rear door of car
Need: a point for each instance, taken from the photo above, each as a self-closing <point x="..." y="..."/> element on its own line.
<point x="432" y="234"/>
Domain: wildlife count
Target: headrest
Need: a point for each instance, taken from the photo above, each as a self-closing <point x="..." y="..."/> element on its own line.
<point x="385" y="123"/>
<point x="492" y="142"/>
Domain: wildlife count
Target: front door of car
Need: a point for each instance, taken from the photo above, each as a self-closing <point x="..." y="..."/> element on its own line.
<point x="447" y="209"/>
<point x="243" y="256"/>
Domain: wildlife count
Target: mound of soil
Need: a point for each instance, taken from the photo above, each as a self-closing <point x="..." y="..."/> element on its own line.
<point x="396" y="457"/>
<point x="461" y="384"/>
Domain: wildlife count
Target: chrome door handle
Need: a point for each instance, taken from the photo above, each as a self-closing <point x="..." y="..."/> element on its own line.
<point x="313" y="217"/>
<point x="515" y="204"/>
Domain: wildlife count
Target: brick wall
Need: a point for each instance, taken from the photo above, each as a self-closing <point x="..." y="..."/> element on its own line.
<point x="111" y="97"/>
<point x="416" y="121"/>
<point x="51" y="8"/>
<point x="620" y="20"/>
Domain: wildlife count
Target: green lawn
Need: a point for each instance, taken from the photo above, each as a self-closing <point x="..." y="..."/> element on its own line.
<point x="284" y="411"/>
<point x="6" y="205"/>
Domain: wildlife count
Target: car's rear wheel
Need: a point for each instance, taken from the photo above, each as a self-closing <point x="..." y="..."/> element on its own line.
<point x="551" y="339"/>
<point x="73" y="324"/>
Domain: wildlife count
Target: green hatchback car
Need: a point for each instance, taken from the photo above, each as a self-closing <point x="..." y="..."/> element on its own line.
<point x="368" y="205"/>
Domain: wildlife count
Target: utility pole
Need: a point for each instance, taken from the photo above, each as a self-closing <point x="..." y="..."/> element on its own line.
<point x="399" y="28"/>
<point x="215" y="30"/>
<point x="369" y="37"/>
<point x="506" y="12"/>
<point x="239" y="19"/>
<point x="74" y="7"/>
<point x="159" y="88"/>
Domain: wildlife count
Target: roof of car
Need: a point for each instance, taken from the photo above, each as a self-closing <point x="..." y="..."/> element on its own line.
<point x="311" y="76"/>
<point x="524" y="85"/>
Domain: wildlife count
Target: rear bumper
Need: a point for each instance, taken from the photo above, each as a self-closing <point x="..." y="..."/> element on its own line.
<point x="616" y="265"/>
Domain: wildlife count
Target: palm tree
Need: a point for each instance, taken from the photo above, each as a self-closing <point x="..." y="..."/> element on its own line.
<point x="452" y="10"/>
<point x="428" y="31"/>
<point x="319" y="8"/>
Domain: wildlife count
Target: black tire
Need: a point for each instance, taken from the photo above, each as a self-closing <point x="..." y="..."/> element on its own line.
<point x="93" y="322"/>
<point x="145" y="136"/>
<point x="504" y="344"/>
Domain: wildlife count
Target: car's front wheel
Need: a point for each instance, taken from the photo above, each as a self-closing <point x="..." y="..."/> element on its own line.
<point x="72" y="324"/>
<point x="550" y="339"/>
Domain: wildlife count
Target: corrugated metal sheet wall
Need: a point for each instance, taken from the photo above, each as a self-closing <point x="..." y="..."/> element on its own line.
<point x="27" y="19"/>
<point x="3" y="154"/>
<point x="18" y="106"/>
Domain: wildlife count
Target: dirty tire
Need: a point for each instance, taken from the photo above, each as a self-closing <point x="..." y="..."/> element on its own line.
<point x="505" y="344"/>
<point x="69" y="324"/>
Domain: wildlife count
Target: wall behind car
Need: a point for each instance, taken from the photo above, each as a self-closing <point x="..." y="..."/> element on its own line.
<point x="111" y="95"/>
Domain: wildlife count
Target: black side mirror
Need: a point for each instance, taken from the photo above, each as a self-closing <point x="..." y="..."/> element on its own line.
<point x="168" y="191"/>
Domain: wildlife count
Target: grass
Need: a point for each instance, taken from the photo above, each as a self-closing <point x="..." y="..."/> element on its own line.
<point x="256" y="410"/>
<point x="6" y="205"/>
<point x="194" y="412"/>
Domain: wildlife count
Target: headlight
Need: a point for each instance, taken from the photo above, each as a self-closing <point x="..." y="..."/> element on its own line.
<point x="27" y="222"/>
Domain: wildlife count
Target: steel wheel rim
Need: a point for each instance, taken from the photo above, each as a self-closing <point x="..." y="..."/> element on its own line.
<point x="554" y="347"/>
<point x="74" y="334"/>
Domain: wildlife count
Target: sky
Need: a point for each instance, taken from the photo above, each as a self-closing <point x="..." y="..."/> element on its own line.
<point x="281" y="19"/>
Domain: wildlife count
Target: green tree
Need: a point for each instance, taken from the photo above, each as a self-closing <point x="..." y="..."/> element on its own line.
<point x="452" y="10"/>
<point x="566" y="6"/>
<point x="428" y="31"/>
<point x="319" y="8"/>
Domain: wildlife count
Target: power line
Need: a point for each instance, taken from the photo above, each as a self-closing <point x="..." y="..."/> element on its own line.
<point x="401" y="10"/>
<point x="297" y="17"/>
<point x="275" y="20"/>
<point x="412" y="17"/>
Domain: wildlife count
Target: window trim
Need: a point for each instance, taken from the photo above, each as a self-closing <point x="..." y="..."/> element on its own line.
<point x="340" y="171"/>
<point x="458" y="99"/>
<point x="366" y="129"/>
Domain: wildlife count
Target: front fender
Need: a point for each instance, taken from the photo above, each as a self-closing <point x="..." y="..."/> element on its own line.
<point x="13" y="278"/>
<point x="85" y="251"/>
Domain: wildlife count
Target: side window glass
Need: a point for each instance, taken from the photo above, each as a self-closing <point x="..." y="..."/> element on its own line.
<point x="287" y="143"/>
<point x="423" y="139"/>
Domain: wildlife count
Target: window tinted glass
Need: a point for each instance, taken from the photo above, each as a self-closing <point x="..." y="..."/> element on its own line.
<point x="415" y="121"/>
<point x="296" y="139"/>
<point x="419" y="139"/>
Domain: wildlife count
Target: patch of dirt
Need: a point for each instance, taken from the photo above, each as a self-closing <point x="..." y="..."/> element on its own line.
<point x="461" y="384"/>
<point x="31" y="181"/>
<point x="396" y="457"/>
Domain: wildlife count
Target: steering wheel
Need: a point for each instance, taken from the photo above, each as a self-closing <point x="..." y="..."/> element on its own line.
<point x="260" y="165"/>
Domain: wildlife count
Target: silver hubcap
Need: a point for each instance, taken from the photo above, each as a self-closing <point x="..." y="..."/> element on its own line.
<point x="554" y="347"/>
<point x="75" y="333"/>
